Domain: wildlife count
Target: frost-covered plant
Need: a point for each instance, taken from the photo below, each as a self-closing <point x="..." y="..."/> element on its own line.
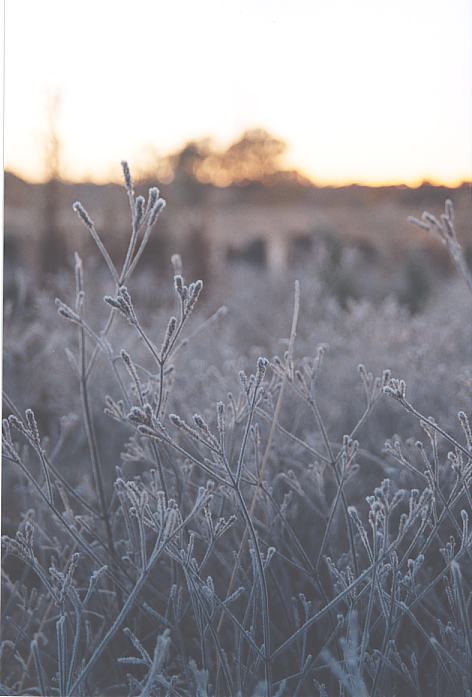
<point x="234" y="546"/>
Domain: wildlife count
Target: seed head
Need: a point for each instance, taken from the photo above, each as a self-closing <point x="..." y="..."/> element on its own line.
<point x="83" y="215"/>
<point x="158" y="207"/>
<point x="127" y="177"/>
<point x="139" y="211"/>
<point x="171" y="327"/>
<point x="67" y="312"/>
<point x="152" y="197"/>
<point x="176" y="420"/>
<point x="262" y="364"/>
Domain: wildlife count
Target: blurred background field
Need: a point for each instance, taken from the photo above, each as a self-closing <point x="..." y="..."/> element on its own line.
<point x="266" y="218"/>
<point x="278" y="135"/>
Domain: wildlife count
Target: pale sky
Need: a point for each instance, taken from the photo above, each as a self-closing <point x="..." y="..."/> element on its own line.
<point x="373" y="91"/>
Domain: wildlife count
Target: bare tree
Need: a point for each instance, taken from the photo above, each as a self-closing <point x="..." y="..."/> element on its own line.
<point x="52" y="247"/>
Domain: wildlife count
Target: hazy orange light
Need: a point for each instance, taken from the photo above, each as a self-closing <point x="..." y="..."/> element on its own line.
<point x="368" y="92"/>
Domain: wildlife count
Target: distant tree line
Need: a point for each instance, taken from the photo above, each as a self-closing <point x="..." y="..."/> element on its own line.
<point x="255" y="157"/>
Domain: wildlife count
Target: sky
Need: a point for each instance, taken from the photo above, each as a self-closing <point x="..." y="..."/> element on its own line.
<point x="367" y="91"/>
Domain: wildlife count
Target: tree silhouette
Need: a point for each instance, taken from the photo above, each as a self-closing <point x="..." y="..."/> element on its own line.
<point x="254" y="157"/>
<point x="52" y="247"/>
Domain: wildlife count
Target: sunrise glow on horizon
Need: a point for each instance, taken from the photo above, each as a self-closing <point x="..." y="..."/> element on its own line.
<point x="368" y="92"/>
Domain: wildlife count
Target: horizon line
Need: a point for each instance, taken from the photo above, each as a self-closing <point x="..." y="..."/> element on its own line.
<point x="417" y="183"/>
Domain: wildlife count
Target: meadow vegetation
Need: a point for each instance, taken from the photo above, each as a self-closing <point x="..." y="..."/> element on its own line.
<point x="269" y="498"/>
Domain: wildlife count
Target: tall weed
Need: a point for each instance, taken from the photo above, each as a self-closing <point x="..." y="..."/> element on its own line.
<point x="233" y="526"/>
